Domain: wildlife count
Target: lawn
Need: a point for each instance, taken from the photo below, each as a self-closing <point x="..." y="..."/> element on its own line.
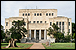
<point x="60" y="46"/>
<point x="23" y="46"/>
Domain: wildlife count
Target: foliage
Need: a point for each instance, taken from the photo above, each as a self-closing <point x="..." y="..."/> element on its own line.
<point x="17" y="29"/>
<point x="54" y="31"/>
<point x="68" y="37"/>
<point x="73" y="27"/>
<point x="74" y="36"/>
<point x="2" y="33"/>
<point x="73" y="30"/>
<point x="7" y="39"/>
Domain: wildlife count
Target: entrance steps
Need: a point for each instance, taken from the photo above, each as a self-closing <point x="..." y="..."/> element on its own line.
<point x="43" y="41"/>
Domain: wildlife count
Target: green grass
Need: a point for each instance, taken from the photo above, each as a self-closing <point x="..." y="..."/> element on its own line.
<point x="60" y="46"/>
<point x="24" y="46"/>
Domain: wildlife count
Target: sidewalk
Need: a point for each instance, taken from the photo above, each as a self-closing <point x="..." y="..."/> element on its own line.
<point x="37" y="46"/>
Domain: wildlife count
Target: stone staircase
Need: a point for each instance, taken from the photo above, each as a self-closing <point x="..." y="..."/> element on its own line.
<point x="43" y="41"/>
<point x="24" y="40"/>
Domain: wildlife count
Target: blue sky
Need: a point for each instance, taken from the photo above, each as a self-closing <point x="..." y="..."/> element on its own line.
<point x="11" y="8"/>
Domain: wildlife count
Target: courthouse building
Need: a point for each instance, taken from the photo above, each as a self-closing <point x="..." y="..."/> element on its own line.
<point x="37" y="21"/>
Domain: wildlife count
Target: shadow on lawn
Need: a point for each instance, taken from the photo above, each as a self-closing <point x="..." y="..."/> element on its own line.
<point x="4" y="44"/>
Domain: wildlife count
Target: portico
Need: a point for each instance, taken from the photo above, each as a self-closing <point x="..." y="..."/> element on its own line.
<point x="37" y="34"/>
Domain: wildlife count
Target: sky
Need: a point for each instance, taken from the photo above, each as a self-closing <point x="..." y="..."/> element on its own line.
<point x="11" y="8"/>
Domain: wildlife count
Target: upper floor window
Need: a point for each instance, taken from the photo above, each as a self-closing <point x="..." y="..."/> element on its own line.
<point x="50" y="23"/>
<point x="46" y="14"/>
<point x="49" y="14"/>
<point x="33" y="21"/>
<point x="34" y="14"/>
<point x="69" y="23"/>
<point x="40" y="14"/>
<point x="37" y="14"/>
<point x="6" y="23"/>
<point x="30" y="22"/>
<point x="28" y="14"/>
<point x="23" y="14"/>
<point x="56" y="23"/>
<point x="69" y="30"/>
<point x="52" y="14"/>
<point x="62" y="23"/>
<point x="40" y="21"/>
<point x="45" y="21"/>
<point x="37" y="21"/>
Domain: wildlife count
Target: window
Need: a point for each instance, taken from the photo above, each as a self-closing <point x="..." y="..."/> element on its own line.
<point x="40" y="21"/>
<point x="33" y="21"/>
<point x="52" y="14"/>
<point x="40" y="14"/>
<point x="69" y="30"/>
<point x="50" y="23"/>
<point x="34" y="14"/>
<point x="28" y="14"/>
<point x="30" y="22"/>
<point x="45" y="21"/>
<point x="37" y="14"/>
<point x="60" y="27"/>
<point x="6" y="23"/>
<point x="56" y="23"/>
<point x="59" y="23"/>
<point x="49" y="14"/>
<point x="63" y="27"/>
<point x="46" y="14"/>
<point x="69" y="23"/>
<point x="37" y="21"/>
<point x="23" y="14"/>
<point x="62" y="23"/>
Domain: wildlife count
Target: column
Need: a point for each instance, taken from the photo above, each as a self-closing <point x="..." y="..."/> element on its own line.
<point x="40" y="34"/>
<point x="45" y="34"/>
<point x="35" y="34"/>
<point x="61" y="26"/>
<point x="30" y="34"/>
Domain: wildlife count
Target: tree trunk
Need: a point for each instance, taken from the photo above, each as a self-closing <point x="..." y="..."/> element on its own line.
<point x="12" y="43"/>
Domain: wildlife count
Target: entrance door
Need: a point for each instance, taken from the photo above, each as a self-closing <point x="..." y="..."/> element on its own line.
<point x="37" y="34"/>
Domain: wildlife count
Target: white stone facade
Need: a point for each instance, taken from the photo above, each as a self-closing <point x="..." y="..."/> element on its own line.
<point x="38" y="20"/>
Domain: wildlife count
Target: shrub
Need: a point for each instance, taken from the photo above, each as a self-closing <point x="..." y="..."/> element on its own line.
<point x="7" y="39"/>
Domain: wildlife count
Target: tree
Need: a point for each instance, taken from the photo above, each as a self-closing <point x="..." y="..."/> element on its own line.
<point x="74" y="36"/>
<point x="2" y="33"/>
<point x="58" y="35"/>
<point x="73" y="30"/>
<point x="73" y="27"/>
<point x="17" y="31"/>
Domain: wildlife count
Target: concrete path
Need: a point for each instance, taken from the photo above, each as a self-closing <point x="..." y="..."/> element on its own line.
<point x="37" y="46"/>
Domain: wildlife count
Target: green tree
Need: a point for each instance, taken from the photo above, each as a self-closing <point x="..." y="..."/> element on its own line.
<point x="73" y="30"/>
<point x="54" y="31"/>
<point x="74" y="36"/>
<point x="2" y="33"/>
<point x="17" y="31"/>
